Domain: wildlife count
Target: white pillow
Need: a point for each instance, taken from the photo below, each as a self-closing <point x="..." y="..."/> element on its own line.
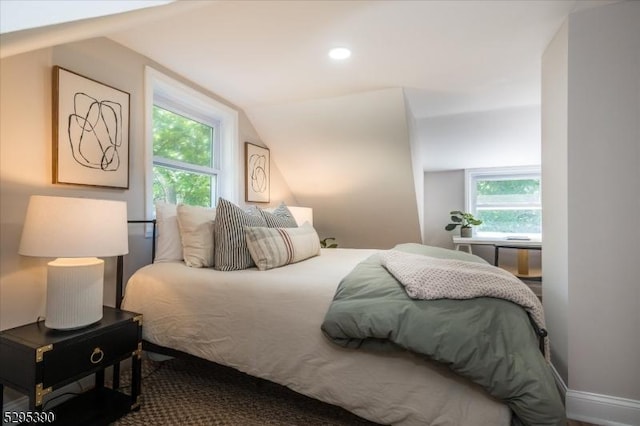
<point x="196" y="231"/>
<point x="168" y="244"/>
<point x="274" y="247"/>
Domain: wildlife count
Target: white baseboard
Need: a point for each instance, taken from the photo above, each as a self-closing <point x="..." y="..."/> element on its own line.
<point x="559" y="382"/>
<point x="602" y="409"/>
<point x="598" y="409"/>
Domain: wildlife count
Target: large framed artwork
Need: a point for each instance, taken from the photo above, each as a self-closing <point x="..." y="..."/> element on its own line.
<point x="90" y="132"/>
<point x="257" y="179"/>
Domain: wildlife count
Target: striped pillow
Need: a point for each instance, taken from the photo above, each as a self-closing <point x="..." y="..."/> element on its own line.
<point x="280" y="217"/>
<point x="274" y="247"/>
<point x="231" y="252"/>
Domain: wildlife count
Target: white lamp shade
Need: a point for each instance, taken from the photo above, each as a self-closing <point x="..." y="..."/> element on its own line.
<point x="302" y="214"/>
<point x="74" y="227"/>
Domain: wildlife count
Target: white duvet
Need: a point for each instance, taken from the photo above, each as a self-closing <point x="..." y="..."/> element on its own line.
<point x="267" y="324"/>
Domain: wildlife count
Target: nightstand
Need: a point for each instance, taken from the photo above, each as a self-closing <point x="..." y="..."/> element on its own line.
<point x="36" y="361"/>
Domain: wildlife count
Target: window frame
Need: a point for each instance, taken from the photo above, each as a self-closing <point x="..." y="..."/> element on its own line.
<point x="181" y="99"/>
<point x="512" y="173"/>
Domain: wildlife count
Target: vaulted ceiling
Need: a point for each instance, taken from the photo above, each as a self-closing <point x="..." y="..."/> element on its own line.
<point x="450" y="57"/>
<point x="371" y="123"/>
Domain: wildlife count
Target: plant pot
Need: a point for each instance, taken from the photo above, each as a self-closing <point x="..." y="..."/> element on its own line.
<point x="466" y="232"/>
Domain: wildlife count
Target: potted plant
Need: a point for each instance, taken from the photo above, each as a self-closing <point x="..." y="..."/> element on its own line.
<point x="328" y="242"/>
<point x="464" y="220"/>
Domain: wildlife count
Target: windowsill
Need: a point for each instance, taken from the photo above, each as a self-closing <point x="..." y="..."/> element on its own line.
<point x="492" y="240"/>
<point x="502" y="235"/>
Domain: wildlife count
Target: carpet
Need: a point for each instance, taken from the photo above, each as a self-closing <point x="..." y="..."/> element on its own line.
<point x="195" y="392"/>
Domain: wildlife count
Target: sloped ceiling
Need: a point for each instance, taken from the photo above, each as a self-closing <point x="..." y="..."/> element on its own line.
<point x="451" y="57"/>
<point x="320" y="117"/>
<point x="349" y="158"/>
<point x="454" y="56"/>
<point x="20" y="15"/>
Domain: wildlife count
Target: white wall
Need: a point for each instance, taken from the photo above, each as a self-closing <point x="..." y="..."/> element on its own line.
<point x="25" y="169"/>
<point x="496" y="138"/>
<point x="555" y="291"/>
<point x="604" y="186"/>
<point x="591" y="74"/>
<point x="25" y="161"/>
<point x="443" y="192"/>
<point x="349" y="158"/>
<point x="416" y="162"/>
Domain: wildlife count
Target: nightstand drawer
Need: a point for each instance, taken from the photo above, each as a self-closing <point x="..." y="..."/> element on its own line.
<point x="93" y="353"/>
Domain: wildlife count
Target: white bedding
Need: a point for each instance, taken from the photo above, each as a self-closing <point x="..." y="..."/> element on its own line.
<point x="267" y="324"/>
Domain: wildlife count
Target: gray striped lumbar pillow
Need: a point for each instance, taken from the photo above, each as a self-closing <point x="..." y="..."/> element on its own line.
<point x="274" y="247"/>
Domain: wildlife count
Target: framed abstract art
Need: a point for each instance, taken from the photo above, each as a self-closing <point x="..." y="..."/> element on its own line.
<point x="90" y="132"/>
<point x="257" y="169"/>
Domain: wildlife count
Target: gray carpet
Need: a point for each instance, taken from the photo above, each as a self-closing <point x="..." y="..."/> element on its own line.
<point x="194" y="392"/>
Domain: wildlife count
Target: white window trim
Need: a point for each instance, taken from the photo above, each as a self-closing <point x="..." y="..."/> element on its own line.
<point x="469" y="190"/>
<point x="156" y="82"/>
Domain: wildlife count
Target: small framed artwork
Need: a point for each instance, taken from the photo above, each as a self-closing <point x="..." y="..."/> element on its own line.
<point x="257" y="179"/>
<point x="90" y="132"/>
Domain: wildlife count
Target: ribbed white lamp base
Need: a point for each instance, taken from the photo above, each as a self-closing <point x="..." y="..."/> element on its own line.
<point x="74" y="292"/>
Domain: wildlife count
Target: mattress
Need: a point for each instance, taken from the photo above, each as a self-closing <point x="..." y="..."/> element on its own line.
<point x="267" y="324"/>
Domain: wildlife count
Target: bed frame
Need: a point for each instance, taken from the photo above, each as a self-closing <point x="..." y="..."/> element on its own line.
<point x="152" y="347"/>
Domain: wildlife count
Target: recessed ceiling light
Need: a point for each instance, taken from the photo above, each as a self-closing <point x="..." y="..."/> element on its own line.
<point x="339" y="53"/>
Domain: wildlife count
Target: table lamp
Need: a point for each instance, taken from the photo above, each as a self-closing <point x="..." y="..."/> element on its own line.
<point x="76" y="231"/>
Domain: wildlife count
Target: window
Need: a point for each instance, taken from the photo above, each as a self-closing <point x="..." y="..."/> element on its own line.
<point x="185" y="166"/>
<point x="507" y="200"/>
<point x="192" y="144"/>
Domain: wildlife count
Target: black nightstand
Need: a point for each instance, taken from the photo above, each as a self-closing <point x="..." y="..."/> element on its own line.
<point x="35" y="360"/>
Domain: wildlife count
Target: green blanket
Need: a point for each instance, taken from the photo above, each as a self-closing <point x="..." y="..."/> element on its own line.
<point x="489" y="341"/>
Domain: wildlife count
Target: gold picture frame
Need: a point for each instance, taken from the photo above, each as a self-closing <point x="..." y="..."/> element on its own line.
<point x="90" y="132"/>
<point x="257" y="173"/>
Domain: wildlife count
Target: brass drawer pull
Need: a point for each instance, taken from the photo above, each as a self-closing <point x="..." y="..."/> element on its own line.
<point x="97" y="356"/>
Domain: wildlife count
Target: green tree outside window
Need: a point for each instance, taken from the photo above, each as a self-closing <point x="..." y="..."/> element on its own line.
<point x="498" y="201"/>
<point x="183" y="152"/>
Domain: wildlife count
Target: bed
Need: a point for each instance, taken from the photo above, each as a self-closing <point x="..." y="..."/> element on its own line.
<point x="267" y="323"/>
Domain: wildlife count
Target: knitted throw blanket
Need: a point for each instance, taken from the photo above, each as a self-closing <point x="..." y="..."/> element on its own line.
<point x="430" y="278"/>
